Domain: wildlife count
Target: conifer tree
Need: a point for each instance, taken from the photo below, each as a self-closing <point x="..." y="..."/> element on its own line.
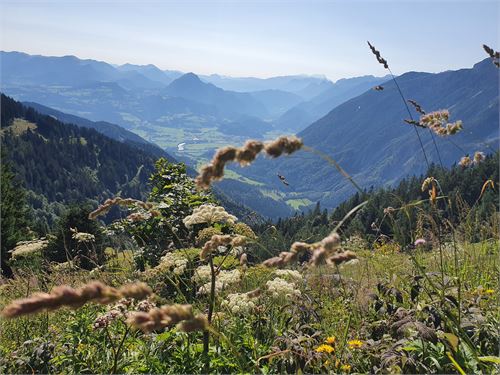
<point x="14" y="215"/>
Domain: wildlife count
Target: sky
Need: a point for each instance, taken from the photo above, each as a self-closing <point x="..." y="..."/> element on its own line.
<point x="257" y="38"/>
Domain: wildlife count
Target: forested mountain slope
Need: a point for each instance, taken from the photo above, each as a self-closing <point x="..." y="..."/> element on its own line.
<point x="63" y="163"/>
<point x="110" y="130"/>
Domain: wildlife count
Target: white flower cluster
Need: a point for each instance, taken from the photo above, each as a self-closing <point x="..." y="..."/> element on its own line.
<point x="209" y="213"/>
<point x="281" y="288"/>
<point x="201" y="274"/>
<point x="82" y="236"/>
<point x="223" y="279"/>
<point x="173" y="261"/>
<point x="239" y="303"/>
<point x="229" y="277"/>
<point x="26" y="248"/>
<point x="289" y="274"/>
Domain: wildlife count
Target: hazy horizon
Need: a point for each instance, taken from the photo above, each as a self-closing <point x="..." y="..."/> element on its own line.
<point x="256" y="39"/>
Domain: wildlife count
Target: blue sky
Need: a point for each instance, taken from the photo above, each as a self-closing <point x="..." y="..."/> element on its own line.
<point x="257" y="38"/>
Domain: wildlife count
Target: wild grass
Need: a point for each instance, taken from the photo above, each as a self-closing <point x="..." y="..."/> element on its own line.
<point x="359" y="300"/>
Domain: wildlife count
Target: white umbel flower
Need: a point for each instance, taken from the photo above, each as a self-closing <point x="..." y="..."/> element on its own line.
<point x="239" y="303"/>
<point x="202" y="274"/>
<point x="209" y="214"/>
<point x="27" y="248"/>
<point x="280" y="288"/>
<point x="82" y="236"/>
<point x="223" y="280"/>
<point x="174" y="262"/>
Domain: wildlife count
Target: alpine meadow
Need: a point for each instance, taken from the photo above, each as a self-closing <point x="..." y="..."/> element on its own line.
<point x="166" y="219"/>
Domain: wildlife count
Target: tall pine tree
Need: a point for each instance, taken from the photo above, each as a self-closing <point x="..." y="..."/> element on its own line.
<point x="13" y="215"/>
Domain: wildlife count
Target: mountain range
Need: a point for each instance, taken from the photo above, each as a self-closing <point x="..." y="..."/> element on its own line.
<point x="169" y="107"/>
<point x="369" y="138"/>
<point x="361" y="128"/>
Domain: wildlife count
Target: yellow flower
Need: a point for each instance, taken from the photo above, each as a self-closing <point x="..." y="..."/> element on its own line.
<point x="330" y="340"/>
<point x="345" y="368"/>
<point x="325" y="349"/>
<point x="489" y="291"/>
<point x="355" y="344"/>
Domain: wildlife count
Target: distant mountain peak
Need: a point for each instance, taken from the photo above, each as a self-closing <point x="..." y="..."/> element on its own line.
<point x="188" y="81"/>
<point x="189" y="77"/>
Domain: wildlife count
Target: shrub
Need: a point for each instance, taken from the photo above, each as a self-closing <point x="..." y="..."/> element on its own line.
<point x="77" y="239"/>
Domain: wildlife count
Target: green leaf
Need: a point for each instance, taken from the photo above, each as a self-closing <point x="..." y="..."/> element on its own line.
<point x="410" y="348"/>
<point x="490" y="358"/>
<point x="163" y="336"/>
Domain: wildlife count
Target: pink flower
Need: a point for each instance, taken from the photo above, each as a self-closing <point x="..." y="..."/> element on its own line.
<point x="420" y="241"/>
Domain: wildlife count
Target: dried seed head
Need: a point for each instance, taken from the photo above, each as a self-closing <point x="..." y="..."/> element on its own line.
<point x="211" y="245"/>
<point x="380" y="59"/>
<point x="438" y="122"/>
<point x="431" y="184"/>
<point x="286" y="257"/>
<point x="479" y="157"/>
<point x="417" y="106"/>
<point x="389" y="210"/>
<point x="118" y="201"/>
<point x="244" y="156"/>
<point x="342" y="257"/>
<point x="247" y="154"/>
<point x="198" y="323"/>
<point x="300" y="247"/>
<point x="495" y="56"/>
<point x="137" y="291"/>
<point x="64" y="295"/>
<point x="465" y="161"/>
<point x="327" y="246"/>
<point x="331" y="242"/>
<point x="283" y="145"/>
<point x="238" y="241"/>
<point x="319" y="256"/>
<point x="274" y="262"/>
<point x="160" y="317"/>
